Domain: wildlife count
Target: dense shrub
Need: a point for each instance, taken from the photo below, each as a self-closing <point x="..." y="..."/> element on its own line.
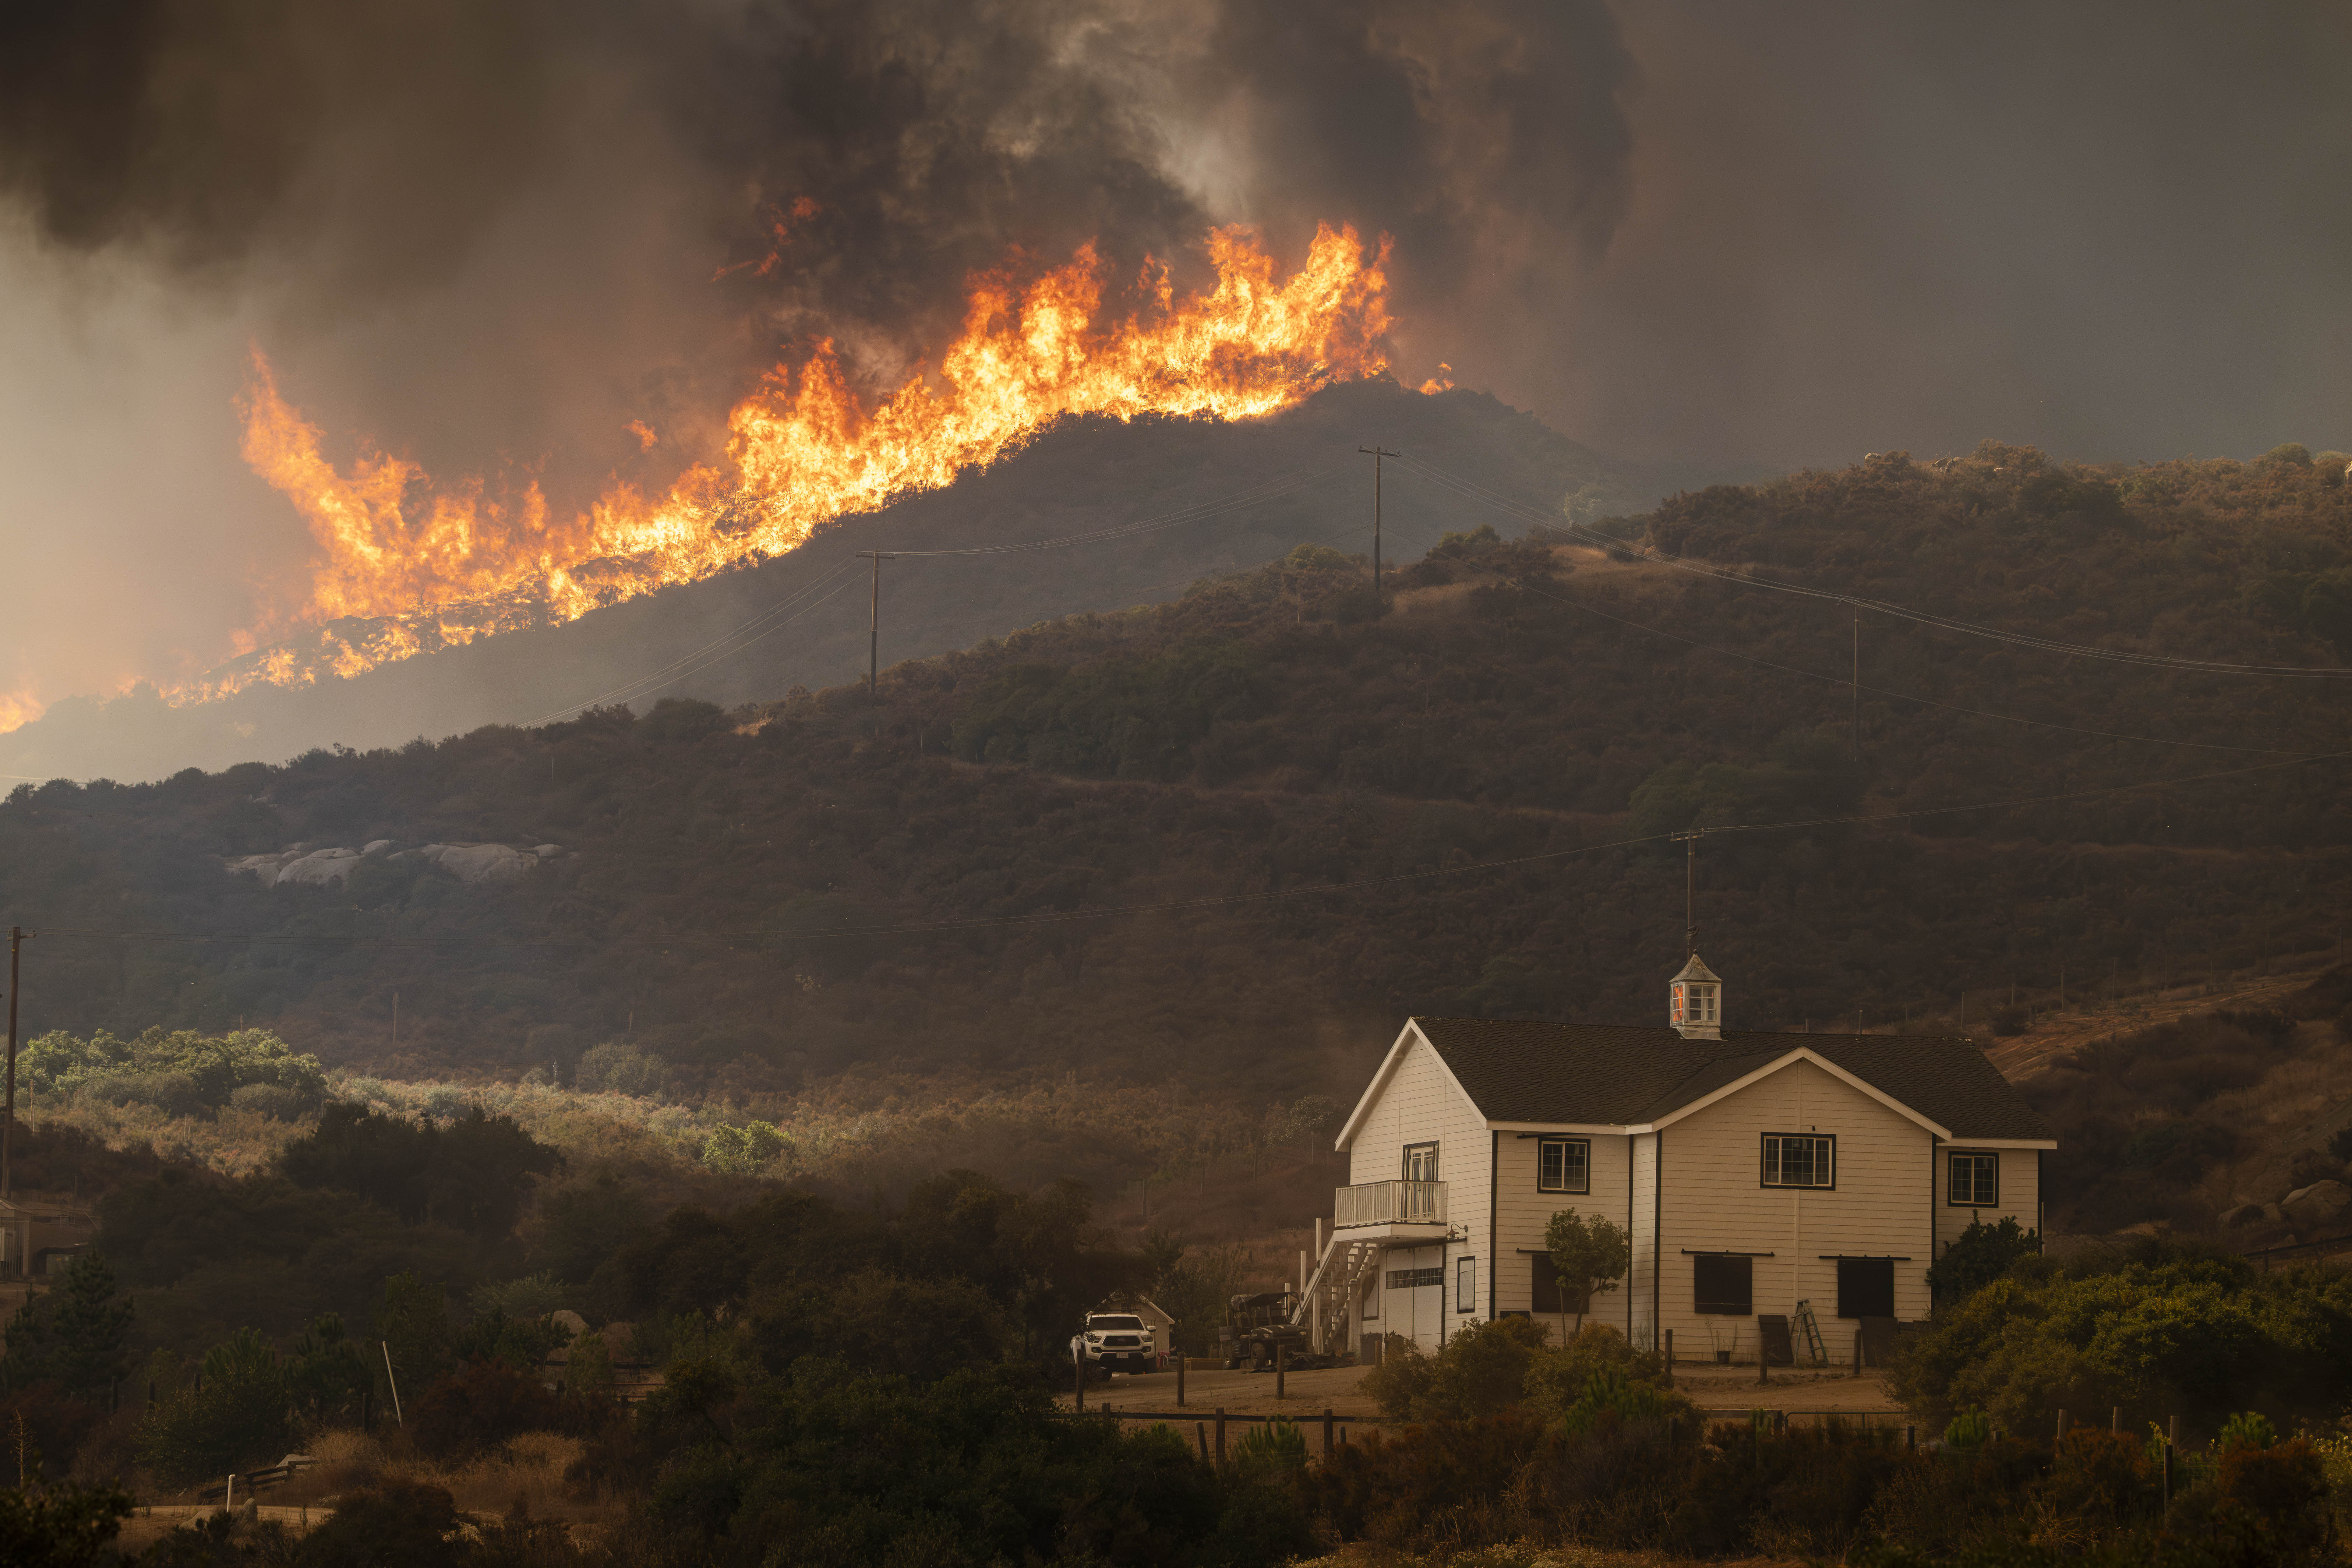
<point x="482" y="1406"/>
<point x="472" y="1172"/>
<point x="2174" y="1329"/>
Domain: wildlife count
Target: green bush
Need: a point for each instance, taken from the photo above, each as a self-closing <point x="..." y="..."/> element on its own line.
<point x="1981" y="1254"/>
<point x="232" y="1419"/>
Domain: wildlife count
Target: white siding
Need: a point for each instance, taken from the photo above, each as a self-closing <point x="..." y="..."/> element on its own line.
<point x="1712" y="1199"/>
<point x="1419" y="1104"/>
<point x="2019" y="1193"/>
<point x="1522" y="1213"/>
<point x="1640" y="1319"/>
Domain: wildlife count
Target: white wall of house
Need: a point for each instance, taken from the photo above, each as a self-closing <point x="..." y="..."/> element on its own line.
<point x="1637" y="1318"/>
<point x="1713" y="1200"/>
<point x="1523" y="1212"/>
<point x="2019" y="1191"/>
<point x="1420" y="1104"/>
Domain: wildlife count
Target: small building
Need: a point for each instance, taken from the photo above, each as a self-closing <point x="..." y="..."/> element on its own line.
<point x="1753" y="1172"/>
<point x="39" y="1238"/>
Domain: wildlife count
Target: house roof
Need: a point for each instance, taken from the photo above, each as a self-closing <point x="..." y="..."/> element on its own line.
<point x="1614" y="1075"/>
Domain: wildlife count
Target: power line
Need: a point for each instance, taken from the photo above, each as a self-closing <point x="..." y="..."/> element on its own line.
<point x="1057" y="917"/>
<point x="1581" y="606"/>
<point x="1527" y="511"/>
<point x="1238" y="500"/>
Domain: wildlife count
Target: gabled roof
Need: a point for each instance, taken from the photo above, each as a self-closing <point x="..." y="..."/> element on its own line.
<point x="1616" y="1076"/>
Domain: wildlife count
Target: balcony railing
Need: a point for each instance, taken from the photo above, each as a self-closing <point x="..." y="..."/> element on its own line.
<point x="1389" y="1203"/>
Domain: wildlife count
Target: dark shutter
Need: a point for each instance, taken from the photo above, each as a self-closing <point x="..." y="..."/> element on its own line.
<point x="1865" y="1288"/>
<point x="1723" y="1286"/>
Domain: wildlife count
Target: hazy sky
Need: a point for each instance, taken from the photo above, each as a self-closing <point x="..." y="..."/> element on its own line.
<point x="1783" y="233"/>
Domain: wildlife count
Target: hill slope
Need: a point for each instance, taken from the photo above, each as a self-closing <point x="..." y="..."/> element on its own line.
<point x="1078" y="476"/>
<point x="789" y="890"/>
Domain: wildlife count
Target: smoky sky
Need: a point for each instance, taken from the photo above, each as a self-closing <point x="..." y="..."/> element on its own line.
<point x="483" y="220"/>
<point x="492" y="234"/>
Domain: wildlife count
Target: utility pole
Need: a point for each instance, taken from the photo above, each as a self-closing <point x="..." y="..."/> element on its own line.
<point x="1376" y="452"/>
<point x="17" y="935"/>
<point x="1689" y="842"/>
<point x="1857" y="682"/>
<point x="874" y="621"/>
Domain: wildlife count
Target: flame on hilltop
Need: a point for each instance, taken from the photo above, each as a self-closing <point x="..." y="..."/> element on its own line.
<point x="407" y="566"/>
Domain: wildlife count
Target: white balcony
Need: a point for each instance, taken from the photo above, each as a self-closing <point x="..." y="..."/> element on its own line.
<point x="1389" y="1203"/>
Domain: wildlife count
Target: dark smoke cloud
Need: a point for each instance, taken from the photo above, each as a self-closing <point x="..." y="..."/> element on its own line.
<point x="497" y="226"/>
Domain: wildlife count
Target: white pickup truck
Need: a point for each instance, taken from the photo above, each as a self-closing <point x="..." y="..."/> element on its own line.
<point x="1116" y="1341"/>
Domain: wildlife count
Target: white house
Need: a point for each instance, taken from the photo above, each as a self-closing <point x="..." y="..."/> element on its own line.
<point x="1752" y="1170"/>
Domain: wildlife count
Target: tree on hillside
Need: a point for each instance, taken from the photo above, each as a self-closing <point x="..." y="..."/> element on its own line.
<point x="75" y="1335"/>
<point x="1589" y="1255"/>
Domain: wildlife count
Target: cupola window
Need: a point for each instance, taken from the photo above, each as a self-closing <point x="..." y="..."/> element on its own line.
<point x="1695" y="1002"/>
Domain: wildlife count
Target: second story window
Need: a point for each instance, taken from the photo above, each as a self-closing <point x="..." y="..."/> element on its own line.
<point x="1799" y="1159"/>
<point x="1976" y="1180"/>
<point x="1563" y="1165"/>
<point x="1421" y="1161"/>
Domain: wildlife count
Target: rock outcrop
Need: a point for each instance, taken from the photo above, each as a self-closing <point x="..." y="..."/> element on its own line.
<point x="312" y="864"/>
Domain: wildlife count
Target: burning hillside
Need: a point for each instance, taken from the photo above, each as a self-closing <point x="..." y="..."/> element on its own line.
<point x="408" y="566"/>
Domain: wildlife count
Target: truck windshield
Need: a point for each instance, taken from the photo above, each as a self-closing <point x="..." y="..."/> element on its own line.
<point x="1114" y="1322"/>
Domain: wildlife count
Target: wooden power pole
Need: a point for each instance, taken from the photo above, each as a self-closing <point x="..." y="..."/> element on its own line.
<point x="1376" y="452"/>
<point x="874" y="621"/>
<point x="17" y="935"/>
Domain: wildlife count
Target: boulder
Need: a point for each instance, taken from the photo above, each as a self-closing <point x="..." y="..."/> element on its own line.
<point x="320" y="867"/>
<point x="548" y="852"/>
<point x="378" y="846"/>
<point x="2242" y="1216"/>
<point x="2269" y="1185"/>
<point x="2316" y="1206"/>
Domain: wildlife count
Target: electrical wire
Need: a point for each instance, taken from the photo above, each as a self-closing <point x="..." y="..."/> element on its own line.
<point x="1201" y="512"/>
<point x="1578" y="605"/>
<point x="645" y="685"/>
<point x="1470" y="490"/>
<point x="1228" y="901"/>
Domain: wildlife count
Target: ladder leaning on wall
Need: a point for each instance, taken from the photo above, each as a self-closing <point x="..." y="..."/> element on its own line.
<point x="1809" y="1330"/>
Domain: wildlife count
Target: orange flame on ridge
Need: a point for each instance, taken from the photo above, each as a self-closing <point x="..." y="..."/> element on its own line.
<point x="408" y="567"/>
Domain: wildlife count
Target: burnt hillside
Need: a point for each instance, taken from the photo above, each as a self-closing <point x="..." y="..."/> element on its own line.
<point x="785" y="890"/>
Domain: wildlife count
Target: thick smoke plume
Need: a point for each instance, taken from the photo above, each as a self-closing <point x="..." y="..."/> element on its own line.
<point x="521" y="227"/>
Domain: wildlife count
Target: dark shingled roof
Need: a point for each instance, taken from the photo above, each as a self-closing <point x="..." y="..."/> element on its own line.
<point x="1617" y="1076"/>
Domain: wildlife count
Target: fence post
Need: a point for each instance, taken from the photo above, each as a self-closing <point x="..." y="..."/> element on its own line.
<point x="1326" y="1431"/>
<point x="1911" y="1439"/>
<point x="2062" y="1425"/>
<point x="2115" y="1418"/>
<point x="1670" y="1358"/>
<point x="1200" y="1431"/>
<point x="1221" y="1437"/>
<point x="1857" y="1353"/>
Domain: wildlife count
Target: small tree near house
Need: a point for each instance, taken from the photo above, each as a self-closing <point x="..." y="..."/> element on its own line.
<point x="1589" y="1257"/>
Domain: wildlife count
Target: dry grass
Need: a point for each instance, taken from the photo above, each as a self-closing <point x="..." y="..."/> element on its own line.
<point x="1526" y="1554"/>
<point x="528" y="1472"/>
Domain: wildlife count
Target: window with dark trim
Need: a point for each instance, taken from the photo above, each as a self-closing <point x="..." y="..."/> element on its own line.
<point x="1976" y="1180"/>
<point x="1421" y="1161"/>
<point x="1799" y="1159"/>
<point x="1723" y="1286"/>
<point x="1465" y="1284"/>
<point x="1564" y="1165"/>
<point x="1411" y="1278"/>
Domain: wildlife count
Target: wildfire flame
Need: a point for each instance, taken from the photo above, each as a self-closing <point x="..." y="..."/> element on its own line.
<point x="407" y="566"/>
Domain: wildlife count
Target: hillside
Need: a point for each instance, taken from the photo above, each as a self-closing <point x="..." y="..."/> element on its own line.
<point x="797" y="889"/>
<point x="1079" y="476"/>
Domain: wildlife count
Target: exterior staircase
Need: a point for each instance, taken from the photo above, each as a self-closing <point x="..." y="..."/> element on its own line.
<point x="1338" y="1278"/>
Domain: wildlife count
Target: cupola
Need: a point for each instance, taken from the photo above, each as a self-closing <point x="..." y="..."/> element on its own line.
<point x="1696" y="1006"/>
